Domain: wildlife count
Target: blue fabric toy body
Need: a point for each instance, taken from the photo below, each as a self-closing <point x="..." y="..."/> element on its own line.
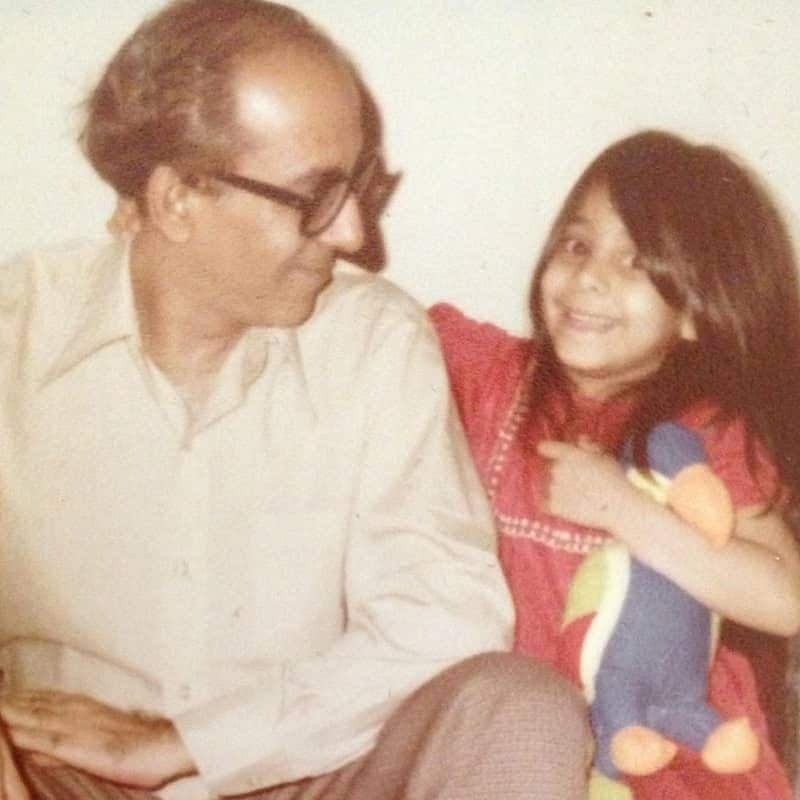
<point x="646" y="653"/>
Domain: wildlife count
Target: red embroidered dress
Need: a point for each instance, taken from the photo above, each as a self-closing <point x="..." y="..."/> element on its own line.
<point x="490" y="372"/>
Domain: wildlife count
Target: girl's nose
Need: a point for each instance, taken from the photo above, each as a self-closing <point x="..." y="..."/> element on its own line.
<point x="595" y="273"/>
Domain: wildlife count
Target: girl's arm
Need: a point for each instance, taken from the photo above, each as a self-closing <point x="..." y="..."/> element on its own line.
<point x="754" y="579"/>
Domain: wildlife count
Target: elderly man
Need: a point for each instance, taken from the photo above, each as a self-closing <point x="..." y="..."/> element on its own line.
<point x="242" y="548"/>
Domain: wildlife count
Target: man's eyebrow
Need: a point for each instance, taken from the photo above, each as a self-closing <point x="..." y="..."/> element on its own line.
<point x="314" y="176"/>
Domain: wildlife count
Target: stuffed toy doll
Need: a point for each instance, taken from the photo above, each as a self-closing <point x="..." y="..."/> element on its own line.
<point x="642" y="646"/>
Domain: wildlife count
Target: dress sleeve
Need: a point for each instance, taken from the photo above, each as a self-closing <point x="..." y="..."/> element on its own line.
<point x="749" y="484"/>
<point x="422" y="587"/>
<point x="484" y="364"/>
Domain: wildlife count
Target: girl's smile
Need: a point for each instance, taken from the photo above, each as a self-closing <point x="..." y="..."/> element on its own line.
<point x="586" y="322"/>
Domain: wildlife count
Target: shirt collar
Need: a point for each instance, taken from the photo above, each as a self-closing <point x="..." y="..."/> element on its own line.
<point x="105" y="310"/>
<point x="106" y="313"/>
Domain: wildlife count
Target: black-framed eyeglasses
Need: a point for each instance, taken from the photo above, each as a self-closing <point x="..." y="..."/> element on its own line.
<point x="319" y="210"/>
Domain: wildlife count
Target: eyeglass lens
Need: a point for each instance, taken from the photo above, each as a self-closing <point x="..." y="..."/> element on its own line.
<point x="329" y="202"/>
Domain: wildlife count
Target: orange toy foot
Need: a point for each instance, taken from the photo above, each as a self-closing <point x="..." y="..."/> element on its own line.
<point x="731" y="748"/>
<point x="641" y="751"/>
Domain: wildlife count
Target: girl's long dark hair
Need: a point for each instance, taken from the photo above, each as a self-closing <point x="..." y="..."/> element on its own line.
<point x="712" y="242"/>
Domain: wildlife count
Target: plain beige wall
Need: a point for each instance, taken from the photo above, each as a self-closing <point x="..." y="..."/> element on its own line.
<point x="491" y="107"/>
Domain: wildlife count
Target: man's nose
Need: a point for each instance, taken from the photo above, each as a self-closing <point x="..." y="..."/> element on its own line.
<point x="346" y="232"/>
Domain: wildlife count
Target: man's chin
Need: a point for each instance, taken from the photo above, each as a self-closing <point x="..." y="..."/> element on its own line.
<point x="292" y="316"/>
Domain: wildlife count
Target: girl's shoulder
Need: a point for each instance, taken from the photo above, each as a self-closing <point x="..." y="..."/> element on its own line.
<point x="480" y="357"/>
<point x="487" y="368"/>
<point x="734" y="454"/>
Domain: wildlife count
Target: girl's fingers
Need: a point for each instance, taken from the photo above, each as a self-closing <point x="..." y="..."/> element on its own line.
<point x="560" y="450"/>
<point x="554" y="450"/>
<point x="588" y="445"/>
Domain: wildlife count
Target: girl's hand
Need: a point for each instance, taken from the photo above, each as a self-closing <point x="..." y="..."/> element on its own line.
<point x="754" y="579"/>
<point x="587" y="487"/>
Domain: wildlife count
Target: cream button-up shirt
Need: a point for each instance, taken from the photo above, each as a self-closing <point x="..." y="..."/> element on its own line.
<point x="275" y="582"/>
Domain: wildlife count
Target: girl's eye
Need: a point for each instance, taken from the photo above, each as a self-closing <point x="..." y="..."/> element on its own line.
<point x="636" y="263"/>
<point x="574" y="246"/>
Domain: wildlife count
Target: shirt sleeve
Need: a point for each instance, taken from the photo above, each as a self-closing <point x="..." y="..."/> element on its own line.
<point x="423" y="587"/>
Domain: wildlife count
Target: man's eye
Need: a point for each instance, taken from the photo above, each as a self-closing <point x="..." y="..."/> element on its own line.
<point x="316" y="187"/>
<point x="327" y="181"/>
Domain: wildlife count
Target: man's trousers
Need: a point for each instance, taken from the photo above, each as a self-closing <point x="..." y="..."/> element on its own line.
<point x="496" y="726"/>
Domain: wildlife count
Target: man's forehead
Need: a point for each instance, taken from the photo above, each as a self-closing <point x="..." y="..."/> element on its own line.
<point x="298" y="114"/>
<point x="292" y="85"/>
<point x="260" y="107"/>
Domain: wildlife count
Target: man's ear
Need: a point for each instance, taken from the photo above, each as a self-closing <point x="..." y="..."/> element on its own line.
<point x="687" y="330"/>
<point x="170" y="203"/>
<point x="126" y="220"/>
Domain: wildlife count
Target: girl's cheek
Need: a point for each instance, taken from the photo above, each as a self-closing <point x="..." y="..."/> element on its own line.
<point x="549" y="279"/>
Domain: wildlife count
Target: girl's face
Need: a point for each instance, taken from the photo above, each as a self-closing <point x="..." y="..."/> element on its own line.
<point x="609" y="327"/>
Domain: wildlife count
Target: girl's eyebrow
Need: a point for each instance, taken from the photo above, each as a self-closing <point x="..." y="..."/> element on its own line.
<point x="578" y="221"/>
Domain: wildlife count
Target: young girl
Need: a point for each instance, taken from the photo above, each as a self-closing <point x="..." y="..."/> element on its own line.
<point x="666" y="291"/>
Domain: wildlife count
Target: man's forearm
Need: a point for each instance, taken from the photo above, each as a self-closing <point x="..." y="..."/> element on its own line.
<point x="12" y="787"/>
<point x="126" y="747"/>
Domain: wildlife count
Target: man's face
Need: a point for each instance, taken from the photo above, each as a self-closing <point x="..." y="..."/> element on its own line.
<point x="301" y="117"/>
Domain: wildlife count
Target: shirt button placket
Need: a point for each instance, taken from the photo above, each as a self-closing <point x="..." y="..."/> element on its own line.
<point x="188" y="594"/>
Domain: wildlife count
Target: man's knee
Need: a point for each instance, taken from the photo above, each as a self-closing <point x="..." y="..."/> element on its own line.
<point x="501" y="674"/>
<point x="522" y="690"/>
<point x="503" y="719"/>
